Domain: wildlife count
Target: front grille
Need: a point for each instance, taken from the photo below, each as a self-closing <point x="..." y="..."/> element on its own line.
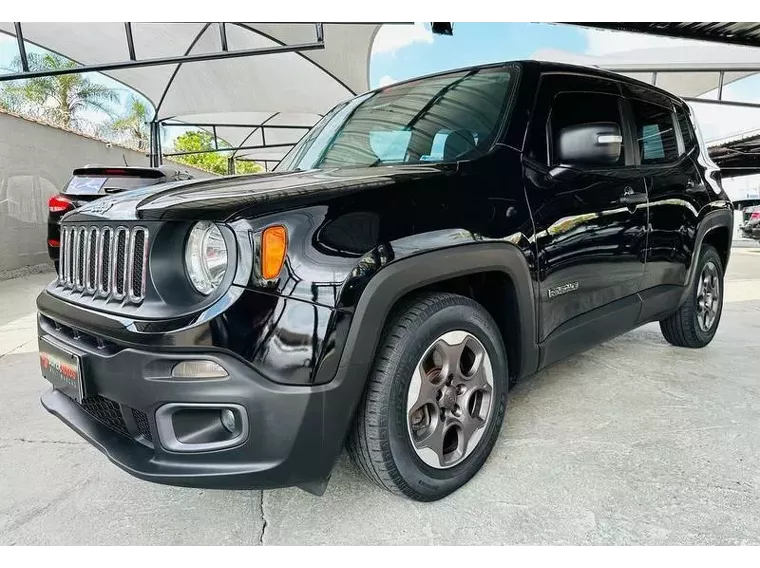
<point x="141" y="419"/>
<point x="107" y="262"/>
<point x="109" y="412"/>
<point x="106" y="411"/>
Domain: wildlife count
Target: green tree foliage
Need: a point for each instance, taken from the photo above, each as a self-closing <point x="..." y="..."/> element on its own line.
<point x="131" y="127"/>
<point x="61" y="99"/>
<point x="216" y="162"/>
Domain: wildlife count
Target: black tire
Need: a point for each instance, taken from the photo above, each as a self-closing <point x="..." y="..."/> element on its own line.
<point x="682" y="328"/>
<point x="379" y="442"/>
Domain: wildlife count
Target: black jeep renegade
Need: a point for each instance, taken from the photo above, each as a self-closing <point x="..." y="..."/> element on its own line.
<point x="424" y="245"/>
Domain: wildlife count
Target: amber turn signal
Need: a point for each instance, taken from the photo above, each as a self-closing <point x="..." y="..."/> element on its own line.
<point x="274" y="245"/>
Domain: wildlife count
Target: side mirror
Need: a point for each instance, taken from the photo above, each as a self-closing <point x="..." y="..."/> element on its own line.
<point x="595" y="143"/>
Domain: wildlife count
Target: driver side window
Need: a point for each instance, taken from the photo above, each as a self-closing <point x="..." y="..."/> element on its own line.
<point x="575" y="109"/>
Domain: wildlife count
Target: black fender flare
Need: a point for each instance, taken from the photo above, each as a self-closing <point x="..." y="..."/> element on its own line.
<point x="721" y="218"/>
<point x="409" y="274"/>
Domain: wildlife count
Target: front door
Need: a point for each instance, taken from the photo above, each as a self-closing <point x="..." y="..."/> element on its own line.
<point x="590" y="219"/>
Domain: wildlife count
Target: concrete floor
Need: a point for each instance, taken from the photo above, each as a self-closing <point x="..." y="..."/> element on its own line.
<point x="633" y="442"/>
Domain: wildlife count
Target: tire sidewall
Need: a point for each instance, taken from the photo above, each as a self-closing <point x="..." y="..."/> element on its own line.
<point x="709" y="254"/>
<point x="428" y="481"/>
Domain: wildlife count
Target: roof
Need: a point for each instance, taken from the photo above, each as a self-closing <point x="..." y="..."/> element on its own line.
<point x="280" y="89"/>
<point x="546" y="66"/>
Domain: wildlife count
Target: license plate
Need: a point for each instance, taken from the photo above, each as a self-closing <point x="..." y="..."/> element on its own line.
<point x="63" y="369"/>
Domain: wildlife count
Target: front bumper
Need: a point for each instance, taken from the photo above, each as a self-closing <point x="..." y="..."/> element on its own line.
<point x="293" y="437"/>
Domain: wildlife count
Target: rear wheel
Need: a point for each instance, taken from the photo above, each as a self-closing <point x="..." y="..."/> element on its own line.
<point x="696" y="321"/>
<point x="435" y="399"/>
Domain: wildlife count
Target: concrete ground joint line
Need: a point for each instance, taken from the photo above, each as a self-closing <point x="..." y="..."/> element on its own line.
<point x="263" y="519"/>
<point x="28" y="441"/>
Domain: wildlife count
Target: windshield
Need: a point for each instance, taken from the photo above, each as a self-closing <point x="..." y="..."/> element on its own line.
<point x="437" y="119"/>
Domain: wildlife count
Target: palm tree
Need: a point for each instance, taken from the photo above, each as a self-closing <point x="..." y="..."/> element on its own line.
<point x="133" y="123"/>
<point x="61" y="98"/>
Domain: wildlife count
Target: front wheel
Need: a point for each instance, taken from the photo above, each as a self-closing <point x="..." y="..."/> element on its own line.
<point x="435" y="399"/>
<point x="696" y="321"/>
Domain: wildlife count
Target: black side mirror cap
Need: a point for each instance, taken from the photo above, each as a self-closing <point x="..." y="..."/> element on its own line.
<point x="594" y="143"/>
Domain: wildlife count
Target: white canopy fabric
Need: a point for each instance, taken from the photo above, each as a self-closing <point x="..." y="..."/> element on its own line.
<point x="285" y="89"/>
<point x="675" y="67"/>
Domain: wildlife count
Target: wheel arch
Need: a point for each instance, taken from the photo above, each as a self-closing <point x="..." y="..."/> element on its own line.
<point x="424" y="271"/>
<point x="715" y="229"/>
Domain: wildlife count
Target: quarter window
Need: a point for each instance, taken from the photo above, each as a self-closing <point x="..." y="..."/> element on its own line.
<point x="686" y="133"/>
<point x="655" y="132"/>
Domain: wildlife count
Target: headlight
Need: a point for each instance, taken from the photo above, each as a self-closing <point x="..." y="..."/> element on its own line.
<point x="205" y="257"/>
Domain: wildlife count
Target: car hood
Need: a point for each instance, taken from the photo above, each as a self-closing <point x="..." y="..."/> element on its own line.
<point x="225" y="198"/>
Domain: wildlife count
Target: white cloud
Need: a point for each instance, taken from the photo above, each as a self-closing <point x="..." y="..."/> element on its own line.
<point x="385" y="80"/>
<point x="602" y="42"/>
<point x="392" y="37"/>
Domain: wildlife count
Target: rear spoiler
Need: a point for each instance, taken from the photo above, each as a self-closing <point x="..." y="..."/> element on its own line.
<point x="116" y="171"/>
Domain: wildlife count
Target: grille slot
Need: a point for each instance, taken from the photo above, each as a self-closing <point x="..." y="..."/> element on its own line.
<point x="108" y="262"/>
<point x="141" y="420"/>
<point x="106" y="411"/>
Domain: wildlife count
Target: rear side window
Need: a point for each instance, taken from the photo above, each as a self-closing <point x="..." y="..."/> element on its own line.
<point x="655" y="132"/>
<point x="686" y="133"/>
<point x="572" y="109"/>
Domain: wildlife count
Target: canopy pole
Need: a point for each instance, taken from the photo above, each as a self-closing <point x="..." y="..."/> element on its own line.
<point x="21" y="46"/>
<point x="231" y="166"/>
<point x="155" y="145"/>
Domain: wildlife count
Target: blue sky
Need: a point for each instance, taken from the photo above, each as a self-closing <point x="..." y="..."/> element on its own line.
<point x="404" y="51"/>
<point x="471" y="44"/>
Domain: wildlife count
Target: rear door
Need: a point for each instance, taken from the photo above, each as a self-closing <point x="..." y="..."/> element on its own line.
<point x="590" y="219"/>
<point x="677" y="192"/>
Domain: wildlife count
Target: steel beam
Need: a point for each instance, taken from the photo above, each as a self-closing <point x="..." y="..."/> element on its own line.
<point x="21" y="47"/>
<point x="231" y="149"/>
<point x="158" y="61"/>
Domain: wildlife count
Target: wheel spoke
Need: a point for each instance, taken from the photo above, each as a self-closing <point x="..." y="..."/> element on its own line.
<point x="478" y="381"/>
<point x="470" y="425"/>
<point x="452" y="354"/>
<point x="435" y="440"/>
<point x="426" y="389"/>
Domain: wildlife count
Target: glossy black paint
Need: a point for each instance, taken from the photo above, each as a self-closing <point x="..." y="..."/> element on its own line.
<point x="361" y="238"/>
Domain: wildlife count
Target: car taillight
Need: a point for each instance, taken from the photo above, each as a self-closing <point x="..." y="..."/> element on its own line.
<point x="59" y="204"/>
<point x="755" y="216"/>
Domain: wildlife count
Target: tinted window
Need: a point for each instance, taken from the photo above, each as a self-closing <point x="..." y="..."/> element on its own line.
<point x="92" y="185"/>
<point x="655" y="133"/>
<point x="442" y="118"/>
<point x="686" y="133"/>
<point x="572" y="109"/>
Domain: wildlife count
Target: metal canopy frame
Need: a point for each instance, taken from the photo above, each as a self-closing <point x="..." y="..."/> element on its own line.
<point x="720" y="69"/>
<point x="223" y="53"/>
<point x="155" y="152"/>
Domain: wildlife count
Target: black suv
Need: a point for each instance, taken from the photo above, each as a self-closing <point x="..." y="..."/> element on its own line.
<point x="425" y="244"/>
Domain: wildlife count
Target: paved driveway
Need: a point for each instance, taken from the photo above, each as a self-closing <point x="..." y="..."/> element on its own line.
<point x="631" y="442"/>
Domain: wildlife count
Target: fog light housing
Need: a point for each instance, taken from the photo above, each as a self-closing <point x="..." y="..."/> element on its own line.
<point x="198" y="369"/>
<point x="228" y="420"/>
<point x="201" y="427"/>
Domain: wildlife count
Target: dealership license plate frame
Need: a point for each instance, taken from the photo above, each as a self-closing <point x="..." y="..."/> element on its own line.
<point x="63" y="369"/>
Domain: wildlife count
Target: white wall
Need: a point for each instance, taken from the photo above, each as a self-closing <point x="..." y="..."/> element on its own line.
<point x="36" y="160"/>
